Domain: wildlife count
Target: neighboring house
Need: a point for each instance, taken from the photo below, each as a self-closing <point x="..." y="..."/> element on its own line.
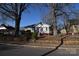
<point x="74" y="26"/>
<point x="74" y="29"/>
<point x="41" y="28"/>
<point x="6" y="29"/>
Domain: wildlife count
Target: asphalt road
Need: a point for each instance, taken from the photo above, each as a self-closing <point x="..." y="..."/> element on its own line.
<point x="65" y="52"/>
<point x="8" y="50"/>
<point x="13" y="50"/>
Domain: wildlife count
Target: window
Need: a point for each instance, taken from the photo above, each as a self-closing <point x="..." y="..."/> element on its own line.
<point x="46" y="28"/>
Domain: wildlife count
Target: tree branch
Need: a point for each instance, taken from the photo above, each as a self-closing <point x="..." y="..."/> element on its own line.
<point x="7" y="15"/>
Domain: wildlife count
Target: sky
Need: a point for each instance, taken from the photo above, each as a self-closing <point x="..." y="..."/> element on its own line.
<point x="31" y="16"/>
<point x="34" y="15"/>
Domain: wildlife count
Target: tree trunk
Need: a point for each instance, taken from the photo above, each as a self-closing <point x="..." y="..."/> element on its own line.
<point x="54" y="31"/>
<point x="17" y="26"/>
<point x="54" y="23"/>
<point x="66" y="29"/>
<point x="66" y="24"/>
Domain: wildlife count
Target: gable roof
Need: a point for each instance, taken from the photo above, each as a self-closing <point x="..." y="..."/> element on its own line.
<point x="37" y="25"/>
<point x="42" y="25"/>
<point x="30" y="26"/>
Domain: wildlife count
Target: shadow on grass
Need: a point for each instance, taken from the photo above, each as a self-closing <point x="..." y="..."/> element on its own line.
<point x="61" y="43"/>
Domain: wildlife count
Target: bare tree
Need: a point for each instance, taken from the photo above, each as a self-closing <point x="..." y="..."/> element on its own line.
<point x="56" y="10"/>
<point x="14" y="11"/>
<point x="3" y="19"/>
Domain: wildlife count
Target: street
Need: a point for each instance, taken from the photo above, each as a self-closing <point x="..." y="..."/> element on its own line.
<point x="21" y="51"/>
<point x="16" y="50"/>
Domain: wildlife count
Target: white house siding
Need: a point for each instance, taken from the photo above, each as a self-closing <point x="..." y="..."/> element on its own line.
<point x="46" y="29"/>
<point x="43" y="28"/>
